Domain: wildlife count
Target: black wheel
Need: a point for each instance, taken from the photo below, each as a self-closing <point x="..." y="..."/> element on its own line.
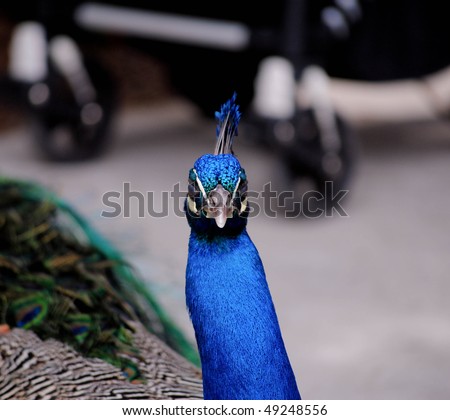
<point x="314" y="173"/>
<point x="66" y="130"/>
<point x="308" y="157"/>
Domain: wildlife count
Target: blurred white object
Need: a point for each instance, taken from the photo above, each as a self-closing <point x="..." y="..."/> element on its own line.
<point x="28" y="53"/>
<point x="336" y="22"/>
<point x="275" y="89"/>
<point x="38" y="94"/>
<point x="373" y="103"/>
<point x="351" y="8"/>
<point x="315" y="91"/>
<point x="222" y="34"/>
<point x="67" y="57"/>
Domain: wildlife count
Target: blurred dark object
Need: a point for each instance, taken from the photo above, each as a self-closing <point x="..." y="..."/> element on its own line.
<point x="261" y="52"/>
<point x="395" y="40"/>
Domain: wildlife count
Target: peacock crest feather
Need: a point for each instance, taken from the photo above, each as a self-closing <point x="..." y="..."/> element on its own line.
<point x="227" y="126"/>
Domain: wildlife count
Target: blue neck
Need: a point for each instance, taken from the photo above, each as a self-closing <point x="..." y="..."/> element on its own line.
<point x="236" y="327"/>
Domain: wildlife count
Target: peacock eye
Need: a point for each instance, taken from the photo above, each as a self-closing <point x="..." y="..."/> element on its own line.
<point x="193" y="189"/>
<point x="242" y="190"/>
<point x="195" y="192"/>
<point x="240" y="196"/>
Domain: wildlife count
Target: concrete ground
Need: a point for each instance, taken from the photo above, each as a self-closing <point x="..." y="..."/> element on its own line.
<point x="363" y="301"/>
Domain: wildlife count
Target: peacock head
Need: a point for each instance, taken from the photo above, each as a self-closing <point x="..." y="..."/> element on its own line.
<point x="217" y="190"/>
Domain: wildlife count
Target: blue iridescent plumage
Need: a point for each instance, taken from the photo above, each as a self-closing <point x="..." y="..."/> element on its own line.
<point x="213" y="169"/>
<point x="236" y="327"/>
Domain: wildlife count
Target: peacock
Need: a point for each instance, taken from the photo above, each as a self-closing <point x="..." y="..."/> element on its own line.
<point x="236" y="328"/>
<point x="75" y="321"/>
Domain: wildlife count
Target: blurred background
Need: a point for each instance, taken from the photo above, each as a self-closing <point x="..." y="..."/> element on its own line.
<point x="356" y="93"/>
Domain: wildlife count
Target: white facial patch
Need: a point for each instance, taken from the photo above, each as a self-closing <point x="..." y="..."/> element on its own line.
<point x="199" y="183"/>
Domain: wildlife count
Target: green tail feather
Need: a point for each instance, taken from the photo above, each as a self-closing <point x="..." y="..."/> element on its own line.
<point x="59" y="277"/>
<point x="30" y="310"/>
<point x="79" y="325"/>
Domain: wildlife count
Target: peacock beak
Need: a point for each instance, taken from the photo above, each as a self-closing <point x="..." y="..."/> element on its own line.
<point x="218" y="205"/>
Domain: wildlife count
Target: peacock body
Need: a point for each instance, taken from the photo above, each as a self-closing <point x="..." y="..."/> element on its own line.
<point x="74" y="320"/>
<point x="76" y="323"/>
<point x="238" y="335"/>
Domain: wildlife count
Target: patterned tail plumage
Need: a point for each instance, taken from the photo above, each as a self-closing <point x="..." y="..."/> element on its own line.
<point x="71" y="293"/>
